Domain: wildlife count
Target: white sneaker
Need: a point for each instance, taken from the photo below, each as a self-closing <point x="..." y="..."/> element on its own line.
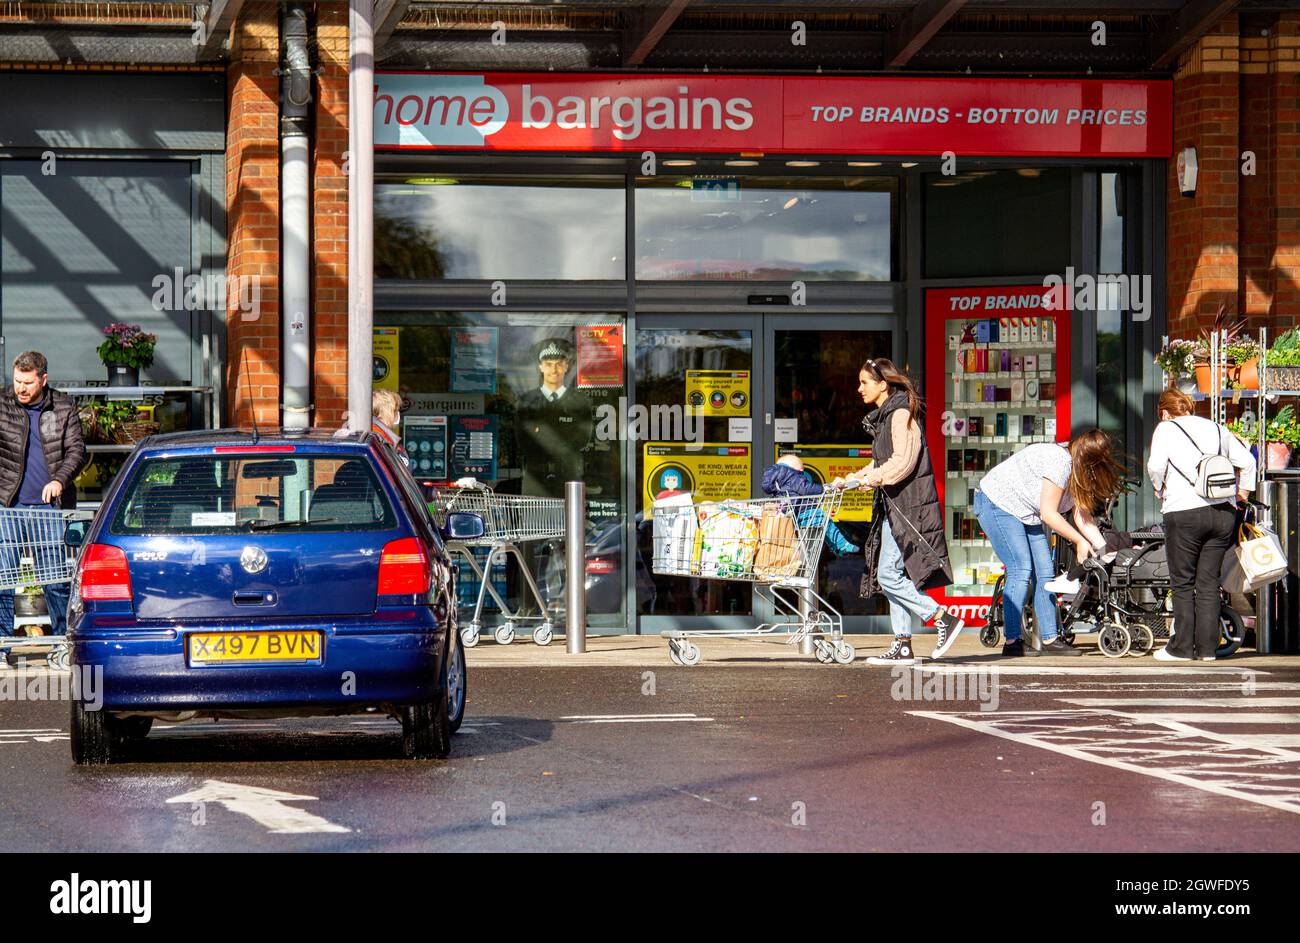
<point x="1165" y="654"/>
<point x="1209" y="658"/>
<point x="1063" y="586"/>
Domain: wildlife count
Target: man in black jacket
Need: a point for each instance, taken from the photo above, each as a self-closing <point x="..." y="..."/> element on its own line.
<point x="41" y="454"/>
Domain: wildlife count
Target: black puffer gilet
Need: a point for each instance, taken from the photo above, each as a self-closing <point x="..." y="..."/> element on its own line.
<point x="912" y="506"/>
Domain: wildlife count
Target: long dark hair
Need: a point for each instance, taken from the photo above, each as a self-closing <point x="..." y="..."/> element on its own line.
<point x="884" y="371"/>
<point x="1096" y="475"/>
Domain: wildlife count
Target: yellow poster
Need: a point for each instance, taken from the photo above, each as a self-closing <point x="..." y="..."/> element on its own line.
<point x="387" y="358"/>
<point x="718" y="392"/>
<point x="712" y="472"/>
<point x="825" y="463"/>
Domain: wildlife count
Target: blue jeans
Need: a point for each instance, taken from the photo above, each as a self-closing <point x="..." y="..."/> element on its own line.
<point x="1023" y="550"/>
<point x="56" y="594"/>
<point x="905" y="600"/>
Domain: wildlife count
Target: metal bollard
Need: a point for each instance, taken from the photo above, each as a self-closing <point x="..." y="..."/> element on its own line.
<point x="575" y="566"/>
<point x="1265" y="601"/>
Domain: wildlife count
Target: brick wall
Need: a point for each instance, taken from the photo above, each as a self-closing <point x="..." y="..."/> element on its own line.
<point x="330" y="220"/>
<point x="1202" y="237"/>
<point x="1238" y="240"/>
<point x="253" y="215"/>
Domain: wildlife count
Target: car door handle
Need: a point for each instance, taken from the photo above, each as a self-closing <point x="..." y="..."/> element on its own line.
<point x="254" y="599"/>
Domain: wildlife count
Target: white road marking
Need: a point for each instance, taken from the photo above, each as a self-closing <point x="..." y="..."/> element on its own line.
<point x="653" y="719"/>
<point x="636" y="718"/>
<point x="1102" y="670"/>
<point x="32" y="735"/>
<point x="264" y="806"/>
<point x="618" y="716"/>
<point x="1248" y="701"/>
<point x="1222" y="718"/>
<point x="1224" y="770"/>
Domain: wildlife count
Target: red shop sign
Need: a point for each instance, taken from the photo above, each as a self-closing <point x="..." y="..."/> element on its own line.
<point x="774" y="114"/>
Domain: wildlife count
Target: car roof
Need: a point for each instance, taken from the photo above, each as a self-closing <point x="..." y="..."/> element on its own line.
<point x="352" y="441"/>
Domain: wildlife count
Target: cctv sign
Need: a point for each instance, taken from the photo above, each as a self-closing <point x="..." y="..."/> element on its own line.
<point x="774" y="114"/>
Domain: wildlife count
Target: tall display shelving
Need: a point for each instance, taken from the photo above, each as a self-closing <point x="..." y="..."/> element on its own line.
<point x="1001" y="382"/>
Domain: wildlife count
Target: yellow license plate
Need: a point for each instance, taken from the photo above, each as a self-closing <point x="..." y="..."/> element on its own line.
<point x="255" y="648"/>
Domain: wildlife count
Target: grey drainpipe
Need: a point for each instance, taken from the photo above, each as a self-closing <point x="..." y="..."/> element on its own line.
<point x="295" y="221"/>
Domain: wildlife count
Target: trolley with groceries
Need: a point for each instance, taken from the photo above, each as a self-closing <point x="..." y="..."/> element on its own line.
<point x="774" y="543"/>
<point x="508" y="521"/>
<point x="33" y="553"/>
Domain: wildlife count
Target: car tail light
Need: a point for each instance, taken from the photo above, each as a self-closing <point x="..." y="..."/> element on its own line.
<point x="601" y="565"/>
<point x="404" y="568"/>
<point x="104" y="574"/>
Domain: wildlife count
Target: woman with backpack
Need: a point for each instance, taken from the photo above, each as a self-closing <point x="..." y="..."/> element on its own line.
<point x="905" y="548"/>
<point x="1199" y="470"/>
<point x="1033" y="490"/>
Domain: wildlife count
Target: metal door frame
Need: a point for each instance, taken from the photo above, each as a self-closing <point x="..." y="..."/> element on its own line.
<point x="751" y="321"/>
<point x="763" y="326"/>
<point x="764" y="435"/>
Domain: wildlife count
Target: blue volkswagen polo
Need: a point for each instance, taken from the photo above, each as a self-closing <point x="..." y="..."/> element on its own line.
<point x="232" y="574"/>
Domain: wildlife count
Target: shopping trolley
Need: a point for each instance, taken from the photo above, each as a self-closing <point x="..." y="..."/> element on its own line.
<point x="508" y="520"/>
<point x="33" y="553"/>
<point x="775" y="544"/>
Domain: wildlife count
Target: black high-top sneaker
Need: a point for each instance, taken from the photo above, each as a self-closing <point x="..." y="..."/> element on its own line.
<point x="949" y="627"/>
<point x="900" y="653"/>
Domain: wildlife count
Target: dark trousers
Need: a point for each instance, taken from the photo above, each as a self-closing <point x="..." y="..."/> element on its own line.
<point x="1196" y="541"/>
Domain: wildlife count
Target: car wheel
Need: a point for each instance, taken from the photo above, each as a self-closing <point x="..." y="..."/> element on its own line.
<point x="457" y="678"/>
<point x="426" y="728"/>
<point x="92" y="740"/>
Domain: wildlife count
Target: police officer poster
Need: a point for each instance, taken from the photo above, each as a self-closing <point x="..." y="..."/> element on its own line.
<point x="553" y="423"/>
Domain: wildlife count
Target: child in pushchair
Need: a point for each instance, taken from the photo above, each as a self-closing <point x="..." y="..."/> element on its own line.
<point x="1124" y="595"/>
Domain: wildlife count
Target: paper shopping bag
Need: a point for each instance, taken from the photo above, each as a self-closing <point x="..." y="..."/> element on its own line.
<point x="778" y="545"/>
<point x="1260" y="556"/>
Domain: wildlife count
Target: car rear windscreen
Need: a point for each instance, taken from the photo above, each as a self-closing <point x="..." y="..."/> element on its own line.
<point x="204" y="494"/>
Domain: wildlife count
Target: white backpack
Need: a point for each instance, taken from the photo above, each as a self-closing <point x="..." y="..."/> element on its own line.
<point x="1216" y="476"/>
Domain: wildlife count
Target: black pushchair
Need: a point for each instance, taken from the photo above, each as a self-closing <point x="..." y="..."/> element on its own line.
<point x="1127" y="602"/>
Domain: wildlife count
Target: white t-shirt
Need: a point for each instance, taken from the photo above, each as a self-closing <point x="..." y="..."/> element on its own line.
<point x="1174" y="458"/>
<point x="1016" y="485"/>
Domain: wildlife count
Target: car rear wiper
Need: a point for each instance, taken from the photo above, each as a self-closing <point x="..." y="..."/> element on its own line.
<point x="276" y="525"/>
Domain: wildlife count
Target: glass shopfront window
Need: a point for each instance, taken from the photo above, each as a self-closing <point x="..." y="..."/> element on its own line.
<point x="765" y="228"/>
<point x="994" y="223"/>
<point x="523" y="403"/>
<point x="431" y="227"/>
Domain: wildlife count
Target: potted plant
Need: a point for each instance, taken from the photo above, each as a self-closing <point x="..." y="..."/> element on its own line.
<point x="1178" y="360"/>
<point x="1228" y="332"/>
<point x="1242" y="352"/>
<point x="125" y="350"/>
<point x="1283" y="436"/>
<point x="115" y="422"/>
<point x="1283" y="361"/>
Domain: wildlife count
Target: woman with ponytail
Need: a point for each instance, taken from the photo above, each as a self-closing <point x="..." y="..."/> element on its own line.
<point x="905" y="549"/>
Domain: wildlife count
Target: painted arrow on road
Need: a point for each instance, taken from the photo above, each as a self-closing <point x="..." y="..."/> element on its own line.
<point x="266" y="807"/>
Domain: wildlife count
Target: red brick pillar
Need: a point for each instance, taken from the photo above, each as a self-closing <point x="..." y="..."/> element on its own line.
<point x="1270" y="200"/>
<point x="253" y="216"/>
<point x="330" y="220"/>
<point x="1203" y="230"/>
<point x="1285" y="82"/>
